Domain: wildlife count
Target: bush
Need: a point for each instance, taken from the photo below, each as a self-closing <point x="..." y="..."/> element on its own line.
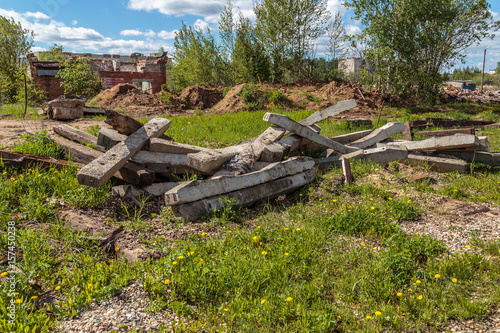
<point x="276" y="96"/>
<point x="166" y="98"/>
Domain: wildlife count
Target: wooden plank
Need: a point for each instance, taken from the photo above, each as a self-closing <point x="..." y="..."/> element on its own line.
<point x="471" y="131"/>
<point x="25" y="161"/>
<point x="378" y="135"/>
<point x="197" y="190"/>
<point x="245" y="197"/>
<point x="78" y="136"/>
<point x="100" y="170"/>
<point x="125" y="124"/>
<point x="129" y="173"/>
<point x="306" y="132"/>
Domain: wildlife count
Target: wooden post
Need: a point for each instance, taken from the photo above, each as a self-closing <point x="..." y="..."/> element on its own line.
<point x="482" y="77"/>
<point x="346" y="167"/>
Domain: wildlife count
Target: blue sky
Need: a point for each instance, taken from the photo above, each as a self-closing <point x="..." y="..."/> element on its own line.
<point x="126" y="26"/>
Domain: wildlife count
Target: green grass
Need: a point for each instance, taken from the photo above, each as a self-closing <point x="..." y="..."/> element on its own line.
<point x="16" y="111"/>
<point x="330" y="258"/>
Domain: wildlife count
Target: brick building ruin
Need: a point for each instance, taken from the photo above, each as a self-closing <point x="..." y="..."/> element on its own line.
<point x="148" y="73"/>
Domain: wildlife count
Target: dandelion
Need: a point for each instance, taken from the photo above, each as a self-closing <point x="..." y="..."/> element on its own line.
<point x="255" y="239"/>
<point x="362" y="244"/>
<point x="334" y="200"/>
<point x="410" y="290"/>
<point x="371" y="199"/>
<point x="467" y="246"/>
<point x="203" y="234"/>
<point x="258" y="227"/>
<point x="420" y="297"/>
<point x="286" y="253"/>
<point x="167" y="281"/>
<point x="180" y="257"/>
<point x="263" y="301"/>
<point x="399" y="294"/>
<point x="18" y="301"/>
<point x="368" y="317"/>
<point x="372" y="208"/>
<point x="390" y="199"/>
<point x="298" y="229"/>
<point x="191" y="253"/>
<point x="437" y="276"/>
<point x="300" y="194"/>
<point x="378" y="313"/>
<point x="226" y="310"/>
<point x="229" y="231"/>
<point x="409" y="201"/>
<point x="454" y="280"/>
<point x="3" y="274"/>
<point x="289" y="299"/>
<point x="264" y="253"/>
<point x="12" y="179"/>
<point x="287" y="229"/>
<point x="117" y="248"/>
<point x="89" y="287"/>
<point x="174" y="263"/>
<point x="339" y="317"/>
<point x="419" y="282"/>
<point x="57" y="288"/>
<point x="5" y="172"/>
<point x="202" y="261"/>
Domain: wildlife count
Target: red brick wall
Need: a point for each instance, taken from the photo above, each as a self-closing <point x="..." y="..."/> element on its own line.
<point x="158" y="78"/>
<point x="50" y="85"/>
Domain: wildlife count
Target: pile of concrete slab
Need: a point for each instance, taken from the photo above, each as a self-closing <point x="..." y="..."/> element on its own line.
<point x="265" y="167"/>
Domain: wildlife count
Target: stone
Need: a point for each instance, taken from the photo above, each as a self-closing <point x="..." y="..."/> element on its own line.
<point x="63" y="108"/>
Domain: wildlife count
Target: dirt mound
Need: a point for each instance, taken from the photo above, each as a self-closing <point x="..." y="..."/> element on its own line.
<point x="310" y="82"/>
<point x="232" y="102"/>
<point x="367" y="100"/>
<point x="200" y="96"/>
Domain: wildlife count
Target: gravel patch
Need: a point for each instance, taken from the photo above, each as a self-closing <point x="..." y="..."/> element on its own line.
<point x="121" y="313"/>
<point x="489" y="325"/>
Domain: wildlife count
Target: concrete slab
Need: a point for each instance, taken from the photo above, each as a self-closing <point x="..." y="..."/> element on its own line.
<point x="488" y="158"/>
<point x="65" y="109"/>
<point x="209" y="162"/>
<point x="100" y="170"/>
<point x="306" y="132"/>
<point x="254" y="150"/>
<point x="440" y="143"/>
<point x="109" y="138"/>
<point x="378" y="135"/>
<point x="197" y="190"/>
<point x="245" y="197"/>
<point x="155" y="190"/>
<point x="438" y="164"/>
<point x="166" y="146"/>
<point x="78" y="136"/>
<point x="160" y="158"/>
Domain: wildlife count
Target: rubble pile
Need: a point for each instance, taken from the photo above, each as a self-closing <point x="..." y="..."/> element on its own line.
<point x="265" y="167"/>
<point x="458" y="95"/>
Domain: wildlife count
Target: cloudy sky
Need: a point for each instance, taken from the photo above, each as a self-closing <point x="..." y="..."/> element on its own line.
<point x="127" y="26"/>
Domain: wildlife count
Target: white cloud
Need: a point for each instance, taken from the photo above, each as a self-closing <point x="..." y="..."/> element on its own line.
<point x="74" y="22"/>
<point x="179" y="7"/>
<point x="201" y="24"/>
<point x="131" y="32"/>
<point x="78" y="39"/>
<point x="167" y="34"/>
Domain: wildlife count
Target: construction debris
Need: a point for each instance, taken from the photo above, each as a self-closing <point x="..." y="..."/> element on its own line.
<point x="65" y="108"/>
<point x="260" y="168"/>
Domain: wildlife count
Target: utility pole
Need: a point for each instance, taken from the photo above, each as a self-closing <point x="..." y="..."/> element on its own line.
<point x="482" y="77"/>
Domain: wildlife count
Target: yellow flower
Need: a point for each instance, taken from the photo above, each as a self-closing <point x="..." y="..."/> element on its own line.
<point x="419" y="282"/>
<point x="437" y="276"/>
<point x="286" y="253"/>
<point x="57" y="288"/>
<point x="334" y="200"/>
<point x="399" y="294"/>
<point x="34" y="297"/>
<point x="167" y="281"/>
<point x="89" y="287"/>
<point x="372" y="208"/>
<point x="255" y="239"/>
<point x="289" y="299"/>
<point x="12" y="179"/>
<point x="226" y="310"/>
<point x="300" y="194"/>
<point x="258" y="227"/>
<point x="287" y="228"/>
<point x="368" y="317"/>
<point x="190" y="253"/>
<point x="229" y="231"/>
<point x="467" y="246"/>
<point x="180" y="257"/>
<point x="203" y="234"/>
<point x="409" y="201"/>
<point x="3" y="274"/>
<point x="263" y="301"/>
<point x="390" y="198"/>
<point x="19" y="301"/>
<point x="174" y="263"/>
<point x="117" y="248"/>
<point x="371" y="199"/>
<point x="202" y="261"/>
<point x="378" y="313"/>
<point x="298" y="229"/>
<point x="339" y="317"/>
<point x="264" y="252"/>
<point x="454" y="280"/>
<point x="420" y="297"/>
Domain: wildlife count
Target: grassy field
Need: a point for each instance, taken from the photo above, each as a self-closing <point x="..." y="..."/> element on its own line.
<point x="327" y="258"/>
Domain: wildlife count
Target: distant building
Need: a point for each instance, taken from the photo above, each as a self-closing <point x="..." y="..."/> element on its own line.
<point x="492" y="71"/>
<point x="352" y="65"/>
<point x="148" y="73"/>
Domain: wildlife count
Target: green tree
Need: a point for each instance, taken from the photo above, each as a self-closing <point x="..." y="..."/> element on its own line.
<point x="336" y="33"/>
<point x="15" y="43"/>
<point x="409" y="42"/>
<point x="227" y="36"/>
<point x="54" y="54"/>
<point x="161" y="52"/>
<point x="497" y="70"/>
<point x="79" y="78"/>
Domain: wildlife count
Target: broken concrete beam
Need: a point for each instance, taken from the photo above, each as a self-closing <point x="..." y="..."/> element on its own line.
<point x="65" y="108"/>
<point x="197" y="190"/>
<point x="448" y="132"/>
<point x="272" y="153"/>
<point x="346" y="139"/>
<point x="438" y="164"/>
<point x="125" y="124"/>
<point x="489" y="158"/>
<point x="253" y="151"/>
<point x="329" y="112"/>
<point x="377" y="155"/>
<point x="109" y="138"/>
<point x="244" y="197"/>
<point x="100" y="170"/>
<point x="306" y="132"/>
<point x="166" y="146"/>
<point x="93" y="111"/>
<point x="78" y="136"/>
<point x="130" y="172"/>
<point x="440" y="143"/>
<point x="153" y="157"/>
<point x="155" y="190"/>
<point x="407" y="132"/>
<point x="378" y="135"/>
<point x="209" y="162"/>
